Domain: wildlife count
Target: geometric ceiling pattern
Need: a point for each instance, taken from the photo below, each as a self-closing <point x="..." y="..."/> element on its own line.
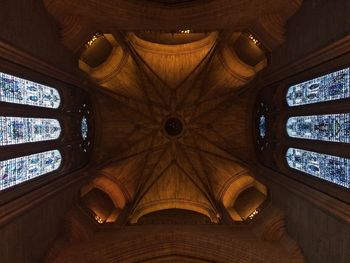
<point x="173" y="129"/>
<point x="173" y="123"/>
<point x="176" y="114"/>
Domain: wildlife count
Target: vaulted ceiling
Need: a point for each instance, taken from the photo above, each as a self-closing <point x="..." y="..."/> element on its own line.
<point x="173" y="119"/>
<point x="196" y="85"/>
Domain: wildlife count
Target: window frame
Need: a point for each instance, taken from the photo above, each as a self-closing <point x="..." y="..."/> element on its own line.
<point x="274" y="96"/>
<point x="22" y="65"/>
<point x="58" y="90"/>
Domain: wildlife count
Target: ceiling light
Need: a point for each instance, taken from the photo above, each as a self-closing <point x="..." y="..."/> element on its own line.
<point x="186" y="31"/>
<point x="254" y="40"/>
<point x="93" y="39"/>
<point x="98" y="219"/>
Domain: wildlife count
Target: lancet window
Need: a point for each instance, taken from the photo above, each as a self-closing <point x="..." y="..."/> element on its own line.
<point x="332" y="127"/>
<point x="21" y="91"/>
<point x="39" y="130"/>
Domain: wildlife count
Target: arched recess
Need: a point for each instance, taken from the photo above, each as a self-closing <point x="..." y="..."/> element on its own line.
<point x="173" y="38"/>
<point x="184" y="194"/>
<point x="100" y="205"/>
<point x="243" y="56"/>
<point x="99" y="46"/>
<point x="104" y="198"/>
<point x="182" y="59"/>
<point x="243" y="197"/>
<point x="238" y="58"/>
<point x="174" y="217"/>
<point x="173" y="204"/>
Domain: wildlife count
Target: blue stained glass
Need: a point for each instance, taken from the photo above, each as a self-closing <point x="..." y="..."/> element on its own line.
<point x="327" y="167"/>
<point x="21" y="169"/>
<point x="21" y="91"/>
<point x="16" y="130"/>
<point x="330" y="127"/>
<point x="84" y="128"/>
<point x="332" y="86"/>
<point x="262" y="126"/>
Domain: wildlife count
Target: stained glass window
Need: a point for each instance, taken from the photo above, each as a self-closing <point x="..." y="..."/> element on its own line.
<point x="16" y="130"/>
<point x="332" y="86"/>
<point x="327" y="167"/>
<point x="21" y="169"/>
<point x="330" y="127"/>
<point x="20" y="91"/>
<point x="84" y="128"/>
<point x="262" y="126"/>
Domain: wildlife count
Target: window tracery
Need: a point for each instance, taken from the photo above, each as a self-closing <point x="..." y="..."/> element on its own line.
<point x="331" y="168"/>
<point x="329" y="127"/>
<point x="84" y="128"/>
<point x="332" y="86"/>
<point x="21" y="169"/>
<point x="262" y="126"/>
<point x="21" y="91"/>
<point x="17" y="130"/>
<point x="45" y="120"/>
<point x="85" y="132"/>
<point x="325" y="127"/>
<point x="262" y="123"/>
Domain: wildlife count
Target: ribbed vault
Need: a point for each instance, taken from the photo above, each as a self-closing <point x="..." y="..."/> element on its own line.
<point x="197" y="83"/>
<point x="173" y="124"/>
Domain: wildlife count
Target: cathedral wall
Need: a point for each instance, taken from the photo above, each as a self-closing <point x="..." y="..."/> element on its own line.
<point x="28" y="228"/>
<point x="322" y="236"/>
<point x="316" y="24"/>
<point x="26" y="25"/>
<point x="27" y="238"/>
<point x="318" y="222"/>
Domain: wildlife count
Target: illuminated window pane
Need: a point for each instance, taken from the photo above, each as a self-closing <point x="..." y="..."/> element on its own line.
<point x="262" y="126"/>
<point x="21" y="91"/>
<point x="330" y="127"/>
<point x="21" y="169"/>
<point x="16" y="130"/>
<point x="84" y="128"/>
<point x="327" y="167"/>
<point x="332" y="86"/>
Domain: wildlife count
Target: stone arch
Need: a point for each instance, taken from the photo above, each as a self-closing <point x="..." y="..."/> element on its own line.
<point x="238" y="187"/>
<point x="174" y="204"/>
